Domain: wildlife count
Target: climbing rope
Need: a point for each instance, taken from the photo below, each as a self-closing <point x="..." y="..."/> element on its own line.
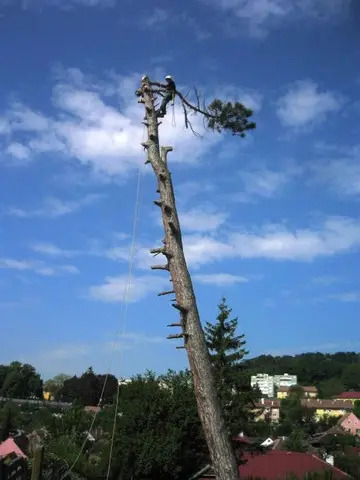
<point x="173" y="121"/>
<point x="123" y="314"/>
<point x="126" y="304"/>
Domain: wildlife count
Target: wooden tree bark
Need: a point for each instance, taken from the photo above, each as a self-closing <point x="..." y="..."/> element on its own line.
<point x="217" y="438"/>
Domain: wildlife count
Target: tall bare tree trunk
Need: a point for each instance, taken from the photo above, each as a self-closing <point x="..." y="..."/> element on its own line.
<point x="217" y="437"/>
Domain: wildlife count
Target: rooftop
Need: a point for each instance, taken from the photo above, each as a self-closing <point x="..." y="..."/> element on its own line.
<point x="348" y="395"/>
<point x="8" y="447"/>
<point x="277" y="465"/>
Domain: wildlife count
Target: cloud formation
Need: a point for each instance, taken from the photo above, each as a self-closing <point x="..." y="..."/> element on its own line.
<point x="97" y="123"/>
<point x="54" y="208"/>
<point x="261" y="16"/>
<point x="40" y="268"/>
<point x="305" y="105"/>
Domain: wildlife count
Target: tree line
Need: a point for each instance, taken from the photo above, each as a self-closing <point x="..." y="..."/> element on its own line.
<point x="331" y="373"/>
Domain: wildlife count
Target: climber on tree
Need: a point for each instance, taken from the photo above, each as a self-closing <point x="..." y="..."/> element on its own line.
<point x="169" y="95"/>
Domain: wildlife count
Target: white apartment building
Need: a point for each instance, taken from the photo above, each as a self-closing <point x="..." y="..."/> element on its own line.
<point x="285" y="380"/>
<point x="265" y="383"/>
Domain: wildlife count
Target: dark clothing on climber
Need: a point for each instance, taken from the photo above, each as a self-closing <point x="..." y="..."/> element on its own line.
<point x="169" y="94"/>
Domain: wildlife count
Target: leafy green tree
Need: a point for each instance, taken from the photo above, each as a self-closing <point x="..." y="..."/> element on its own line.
<point x="7" y="424"/>
<point x="21" y="381"/>
<point x="87" y="389"/>
<point x="330" y="387"/>
<point x="351" y="377"/>
<point x="157" y="428"/>
<point x="296" y="441"/>
<point x="227" y="352"/>
<point x="54" y="385"/>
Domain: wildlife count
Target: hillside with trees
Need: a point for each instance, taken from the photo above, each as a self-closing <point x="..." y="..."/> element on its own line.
<point x="332" y="373"/>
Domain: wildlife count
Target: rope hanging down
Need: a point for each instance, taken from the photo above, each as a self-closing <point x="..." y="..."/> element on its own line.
<point x="123" y="315"/>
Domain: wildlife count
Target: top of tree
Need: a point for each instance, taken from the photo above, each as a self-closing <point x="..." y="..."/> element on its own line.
<point x="219" y="115"/>
<point x="221" y="338"/>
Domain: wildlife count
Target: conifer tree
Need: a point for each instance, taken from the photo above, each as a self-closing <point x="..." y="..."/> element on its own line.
<point x="227" y="351"/>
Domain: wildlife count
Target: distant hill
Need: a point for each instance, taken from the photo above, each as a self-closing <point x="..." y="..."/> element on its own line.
<point x="332" y="373"/>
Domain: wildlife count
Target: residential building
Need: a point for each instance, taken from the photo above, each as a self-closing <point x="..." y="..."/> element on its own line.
<point x="285" y="380"/>
<point x="348" y="396"/>
<point x="279" y="465"/>
<point x="309" y="392"/>
<point x="265" y="383"/>
<point x="350" y="423"/>
<point x="328" y="408"/>
<point x="267" y="408"/>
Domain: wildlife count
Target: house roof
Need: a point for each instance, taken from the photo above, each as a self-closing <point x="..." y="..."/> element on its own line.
<point x="327" y="404"/>
<point x="348" y="395"/>
<point x="277" y="465"/>
<point x="309" y="389"/>
<point x="267" y="403"/>
<point x="311" y="403"/>
<point x="9" y="446"/>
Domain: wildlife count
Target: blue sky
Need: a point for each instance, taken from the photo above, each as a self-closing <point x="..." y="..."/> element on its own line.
<point x="270" y="221"/>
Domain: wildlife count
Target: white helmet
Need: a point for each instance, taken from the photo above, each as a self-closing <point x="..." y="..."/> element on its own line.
<point x="168" y="77"/>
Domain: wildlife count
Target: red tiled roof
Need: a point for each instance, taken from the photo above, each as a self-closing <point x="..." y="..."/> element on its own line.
<point x="276" y="465"/>
<point x="348" y="395"/>
<point x="9" y="446"/>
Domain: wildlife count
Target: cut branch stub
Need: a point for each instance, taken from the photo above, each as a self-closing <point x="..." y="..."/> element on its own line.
<point x="164" y="152"/>
<point x="177" y="335"/>
<point x="160" y="267"/>
<point x="156" y="251"/>
<point x="179" y="307"/>
<point x="169" y="292"/>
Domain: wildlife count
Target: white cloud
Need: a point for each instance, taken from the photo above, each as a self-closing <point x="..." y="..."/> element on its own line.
<point x="98" y="123"/>
<point x="116" y="289"/>
<point x="18" y="151"/>
<point x="62" y="4"/>
<point x="326" y="280"/>
<point x="219" y="279"/>
<point x="52" y="250"/>
<point x="347" y="297"/>
<point x="158" y="16"/>
<point x="37" y="267"/>
<point x="263" y="15"/>
<point x="332" y="236"/>
<point x="54" y="208"/>
<point x="201" y="219"/>
<point x="68" y="351"/>
<point x="341" y="175"/>
<point x="304" y="104"/>
<point x="265" y="182"/>
<point x="248" y="97"/>
<point x="335" y="235"/>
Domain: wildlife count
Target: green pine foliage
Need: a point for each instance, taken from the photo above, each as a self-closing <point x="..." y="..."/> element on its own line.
<point x="227" y="352"/>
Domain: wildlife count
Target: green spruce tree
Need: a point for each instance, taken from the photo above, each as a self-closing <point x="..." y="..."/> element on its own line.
<point x="227" y="351"/>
